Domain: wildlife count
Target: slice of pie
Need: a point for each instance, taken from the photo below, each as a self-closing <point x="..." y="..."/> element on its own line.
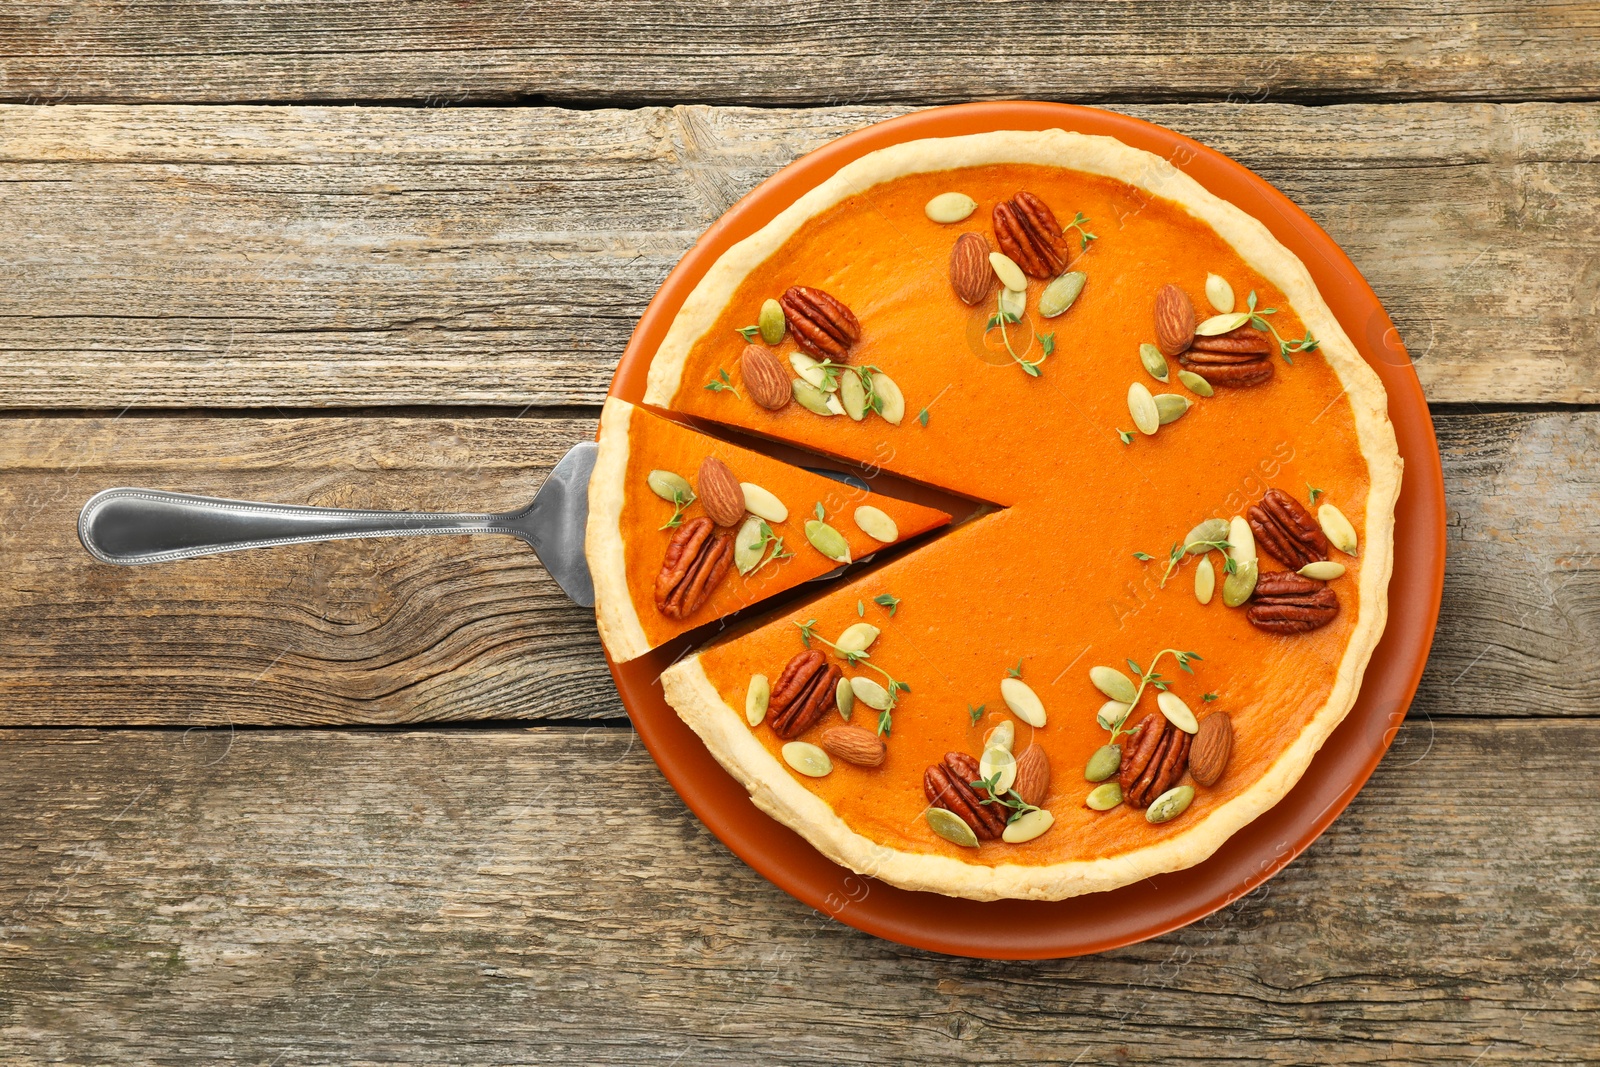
<point x="1144" y="646"/>
<point x="685" y="529"/>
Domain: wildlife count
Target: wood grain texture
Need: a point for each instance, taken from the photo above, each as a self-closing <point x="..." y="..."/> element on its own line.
<point x="796" y="53"/>
<point x="304" y="257"/>
<point x="490" y="896"/>
<point x="471" y="628"/>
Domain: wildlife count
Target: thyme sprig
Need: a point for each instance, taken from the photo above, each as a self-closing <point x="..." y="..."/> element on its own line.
<point x="768" y="538"/>
<point x="1148" y="678"/>
<point x="747" y="332"/>
<point x="721" y="383"/>
<point x="1001" y="319"/>
<point x="1285" y="348"/>
<point x="808" y="633"/>
<point x="1084" y="236"/>
<point x="1008" y="798"/>
<point x="1197" y="548"/>
<point x="679" y="503"/>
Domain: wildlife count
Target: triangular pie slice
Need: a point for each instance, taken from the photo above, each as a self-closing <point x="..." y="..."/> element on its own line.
<point x="662" y="567"/>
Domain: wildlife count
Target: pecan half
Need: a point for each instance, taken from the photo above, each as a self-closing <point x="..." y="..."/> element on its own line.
<point x="1287" y="530"/>
<point x="821" y="324"/>
<point x="802" y="693"/>
<point x="1237" y="375"/>
<point x="1154" y="762"/>
<point x="948" y="785"/>
<point x="1027" y="231"/>
<point x="1288" y="603"/>
<point x="697" y="560"/>
<point x="1245" y="339"/>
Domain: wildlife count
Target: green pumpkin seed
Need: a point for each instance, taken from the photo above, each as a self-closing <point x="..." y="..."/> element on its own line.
<point x="1195" y="384"/>
<point x="1171" y="804"/>
<point x="1112" y="714"/>
<point x="997" y="760"/>
<point x="1104" y="797"/>
<point x="748" y="548"/>
<point x="832" y="402"/>
<point x="1014" y="302"/>
<point x="1171" y="407"/>
<point x="1027" y="826"/>
<point x="673" y="488"/>
<point x="1338" y="529"/>
<point x="1241" y="541"/>
<point x="1322" y="570"/>
<point x="1219" y="292"/>
<point x="1177" y="712"/>
<point x="1060" y="294"/>
<point x="1205" y="581"/>
<point x="877" y="524"/>
<point x="828" y="541"/>
<point x="1106" y="761"/>
<point x="756" y="698"/>
<point x="950" y="207"/>
<point x="806" y="758"/>
<point x="1113" y="683"/>
<point x="853" y="395"/>
<point x="758" y="501"/>
<point x="857" y="637"/>
<point x="1237" y="587"/>
<point x="891" y="402"/>
<point x="771" y="321"/>
<point x="1023" y="701"/>
<point x="1002" y="736"/>
<point x="1010" y="275"/>
<point x="870" y="693"/>
<point x="1155" y="364"/>
<point x="810" y="397"/>
<point x="1208" y="531"/>
<point x="949" y="825"/>
<point x="1221" y="324"/>
<point x="844" y="698"/>
<point x="1142" y="406"/>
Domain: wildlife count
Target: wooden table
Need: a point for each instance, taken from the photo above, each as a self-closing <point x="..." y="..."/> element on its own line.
<point x="378" y="802"/>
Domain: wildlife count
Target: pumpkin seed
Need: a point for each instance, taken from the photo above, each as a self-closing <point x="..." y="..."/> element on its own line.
<point x="812" y="371"/>
<point x="810" y="397"/>
<point x="1112" y="714"/>
<point x="831" y="402"/>
<point x="771" y="321"/>
<point x="997" y="760"/>
<point x="1205" y="581"/>
<point x="1014" y="302"/>
<point x="1106" y="761"/>
<point x="1210" y="530"/>
<point x="949" y="825"/>
<point x="853" y="395"/>
<point x="891" y="402"/>
<point x="870" y="693"/>
<point x="1237" y="587"/>
<point x="1104" y="797"/>
<point x="1002" y="736"/>
<point x="844" y="698"/>
<point x="950" y="207"/>
<point x="748" y="548"/>
<point x="1171" y="804"/>
<point x="1177" y="712"/>
<point x="877" y="524"/>
<point x="1337" y="528"/>
<point x="1027" y="826"/>
<point x="1113" y="683"/>
<point x="1241" y="541"/>
<point x="857" y="638"/>
<point x="1154" y="362"/>
<point x="1060" y="294"/>
<point x="758" y="501"/>
<point x="1195" y="384"/>
<point x="1221" y="324"/>
<point x="1010" y="275"/>
<point x="828" y="541"/>
<point x="673" y="488"/>
<point x="1023" y="701"/>
<point x="756" y="698"/>
<point x="1142" y="406"/>
<point x="1171" y="407"/>
<point x="806" y="758"/>
<point x="1219" y="292"/>
<point x="1323" y="570"/>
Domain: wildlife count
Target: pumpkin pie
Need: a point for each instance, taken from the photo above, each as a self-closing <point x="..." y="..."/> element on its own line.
<point x="1143" y="645"/>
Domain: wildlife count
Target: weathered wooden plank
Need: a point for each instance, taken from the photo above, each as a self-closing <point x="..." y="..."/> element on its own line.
<point x="253" y="257"/>
<point x="789" y="53"/>
<point x="471" y="628"/>
<point x="542" y="896"/>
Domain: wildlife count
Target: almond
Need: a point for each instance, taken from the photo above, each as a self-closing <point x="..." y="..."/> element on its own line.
<point x="1174" y="320"/>
<point x="853" y="744"/>
<point x="1212" y="747"/>
<point x="1033" y="776"/>
<point x="764" y="377"/>
<point x="720" y="492"/>
<point x="970" y="274"/>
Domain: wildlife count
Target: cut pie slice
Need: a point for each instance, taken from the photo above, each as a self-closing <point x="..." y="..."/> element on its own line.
<point x="685" y="529"/>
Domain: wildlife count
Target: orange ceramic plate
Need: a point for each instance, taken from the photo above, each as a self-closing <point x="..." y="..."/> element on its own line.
<point x="1019" y="929"/>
